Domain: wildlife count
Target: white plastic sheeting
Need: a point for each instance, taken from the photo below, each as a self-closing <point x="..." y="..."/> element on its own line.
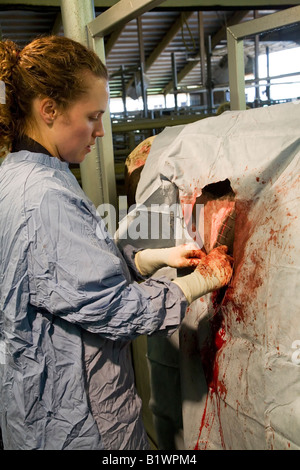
<point x="239" y="351"/>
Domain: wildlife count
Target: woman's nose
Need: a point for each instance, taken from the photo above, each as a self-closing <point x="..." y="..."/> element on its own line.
<point x="98" y="130"/>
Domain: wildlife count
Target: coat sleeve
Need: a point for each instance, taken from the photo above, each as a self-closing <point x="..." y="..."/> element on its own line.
<point x="76" y="272"/>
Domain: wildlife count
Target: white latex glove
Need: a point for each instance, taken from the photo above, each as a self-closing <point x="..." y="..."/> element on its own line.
<point x="213" y="272"/>
<point x="150" y="260"/>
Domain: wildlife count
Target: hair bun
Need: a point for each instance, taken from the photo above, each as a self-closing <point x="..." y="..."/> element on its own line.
<point x="9" y="56"/>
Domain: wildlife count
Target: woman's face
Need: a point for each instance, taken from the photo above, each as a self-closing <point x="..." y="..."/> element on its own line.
<point x="74" y="131"/>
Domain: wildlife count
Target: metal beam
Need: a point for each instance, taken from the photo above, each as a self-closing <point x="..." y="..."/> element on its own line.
<point x="236" y="68"/>
<point x="202" y="47"/>
<point x="75" y="15"/>
<point x="217" y="37"/>
<point x="142" y="63"/>
<point x="266" y="23"/>
<point x="172" y="32"/>
<point x="113" y="38"/>
<point x="158" y="123"/>
<point x="235" y="45"/>
<point x="157" y="51"/>
<point x="57" y="24"/>
<point x="106" y="22"/>
<point x="97" y="170"/>
<point x="119" y="14"/>
<point x="105" y="151"/>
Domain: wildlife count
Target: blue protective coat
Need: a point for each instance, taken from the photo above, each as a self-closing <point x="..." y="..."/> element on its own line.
<point x="68" y="310"/>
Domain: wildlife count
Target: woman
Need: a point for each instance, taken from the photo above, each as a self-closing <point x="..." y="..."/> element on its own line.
<point x="68" y="304"/>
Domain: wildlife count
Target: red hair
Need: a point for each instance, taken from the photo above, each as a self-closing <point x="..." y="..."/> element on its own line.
<point x="53" y="67"/>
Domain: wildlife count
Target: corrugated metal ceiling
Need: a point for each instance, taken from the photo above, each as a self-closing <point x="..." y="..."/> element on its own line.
<point x="163" y="33"/>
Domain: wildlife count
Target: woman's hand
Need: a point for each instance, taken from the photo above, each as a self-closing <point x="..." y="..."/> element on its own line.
<point x="218" y="265"/>
<point x="213" y="272"/>
<point x="150" y="260"/>
<point x="184" y="256"/>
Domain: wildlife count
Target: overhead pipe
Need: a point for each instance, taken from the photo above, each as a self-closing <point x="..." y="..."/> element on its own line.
<point x="202" y="54"/>
<point x="256" y="71"/>
<point x="123" y="90"/>
<point x="142" y="64"/>
<point x="209" y="79"/>
<point x="174" y="74"/>
<point x="268" y="88"/>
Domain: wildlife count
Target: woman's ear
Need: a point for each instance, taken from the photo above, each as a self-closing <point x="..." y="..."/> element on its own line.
<point x="48" y="110"/>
